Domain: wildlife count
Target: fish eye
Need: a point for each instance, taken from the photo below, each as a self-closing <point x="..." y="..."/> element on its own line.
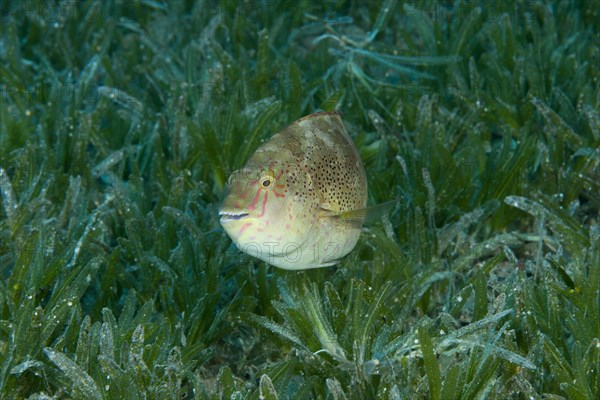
<point x="267" y="181"/>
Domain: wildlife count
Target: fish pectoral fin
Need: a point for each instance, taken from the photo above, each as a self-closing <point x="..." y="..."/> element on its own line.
<point x="360" y="216"/>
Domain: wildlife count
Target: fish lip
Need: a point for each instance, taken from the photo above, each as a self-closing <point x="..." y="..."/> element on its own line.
<point x="232" y="215"/>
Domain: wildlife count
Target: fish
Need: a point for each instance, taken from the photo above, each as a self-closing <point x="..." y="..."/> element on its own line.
<point x="300" y="200"/>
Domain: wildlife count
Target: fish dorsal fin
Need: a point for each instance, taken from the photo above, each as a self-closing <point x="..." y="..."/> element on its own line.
<point x="360" y="216"/>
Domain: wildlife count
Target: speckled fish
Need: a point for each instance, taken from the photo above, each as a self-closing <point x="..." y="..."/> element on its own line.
<point x="299" y="202"/>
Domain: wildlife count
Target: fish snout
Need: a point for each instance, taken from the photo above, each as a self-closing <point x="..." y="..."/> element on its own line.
<point x="232" y="215"/>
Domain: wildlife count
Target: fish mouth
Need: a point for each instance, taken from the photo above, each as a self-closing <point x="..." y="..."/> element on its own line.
<point x="232" y="215"/>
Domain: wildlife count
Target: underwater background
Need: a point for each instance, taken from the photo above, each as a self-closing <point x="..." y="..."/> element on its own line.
<point x="120" y="122"/>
